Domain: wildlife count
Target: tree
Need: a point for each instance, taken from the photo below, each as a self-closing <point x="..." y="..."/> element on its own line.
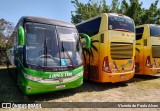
<point x="6" y="29"/>
<point x="88" y="10"/>
<point x="139" y="14"/>
<point x="152" y="15"/>
<point x="115" y="6"/>
<point x="2" y="41"/>
<point x="133" y="9"/>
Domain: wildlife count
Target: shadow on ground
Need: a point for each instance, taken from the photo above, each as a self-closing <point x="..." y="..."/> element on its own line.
<point x="9" y="91"/>
<point x="139" y="78"/>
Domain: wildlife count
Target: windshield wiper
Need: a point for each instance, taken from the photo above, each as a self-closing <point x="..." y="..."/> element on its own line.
<point x="45" y="52"/>
<point x="64" y="50"/>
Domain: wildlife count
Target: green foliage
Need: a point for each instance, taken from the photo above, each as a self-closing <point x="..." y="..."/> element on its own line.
<point x="2" y="40"/>
<point x="133" y="9"/>
<point x="115" y="6"/>
<point x="152" y="15"/>
<point x="6" y="29"/>
<point x="139" y="14"/>
<point x="88" y="10"/>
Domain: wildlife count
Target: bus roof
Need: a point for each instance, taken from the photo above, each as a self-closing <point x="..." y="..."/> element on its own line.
<point x="113" y="14"/>
<point x="46" y="21"/>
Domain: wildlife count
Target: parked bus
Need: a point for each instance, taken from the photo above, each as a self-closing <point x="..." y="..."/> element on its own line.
<point x="147" y="49"/>
<point x="111" y="55"/>
<point x="47" y="55"/>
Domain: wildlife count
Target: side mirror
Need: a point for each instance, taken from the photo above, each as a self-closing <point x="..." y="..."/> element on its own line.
<point x="20" y="36"/>
<point x="87" y="40"/>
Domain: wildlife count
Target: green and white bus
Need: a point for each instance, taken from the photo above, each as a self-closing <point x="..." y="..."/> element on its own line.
<point x="47" y="55"/>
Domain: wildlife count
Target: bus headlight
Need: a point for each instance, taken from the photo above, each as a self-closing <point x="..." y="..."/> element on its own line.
<point x="32" y="77"/>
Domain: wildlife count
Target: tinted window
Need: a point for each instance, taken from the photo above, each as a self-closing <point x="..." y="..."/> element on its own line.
<point x="139" y="33"/>
<point x="120" y="23"/>
<point x="50" y="46"/>
<point x="90" y="28"/>
<point x="154" y="30"/>
<point x="42" y="45"/>
<point x="70" y="49"/>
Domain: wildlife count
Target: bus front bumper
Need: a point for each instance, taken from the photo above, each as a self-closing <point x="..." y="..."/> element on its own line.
<point x="30" y="87"/>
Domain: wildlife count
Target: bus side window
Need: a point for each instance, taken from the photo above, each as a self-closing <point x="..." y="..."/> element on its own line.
<point x="139" y="33"/>
<point x="90" y="28"/>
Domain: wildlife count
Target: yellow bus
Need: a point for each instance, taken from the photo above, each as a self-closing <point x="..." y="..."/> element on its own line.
<point x="111" y="57"/>
<point x="147" y="49"/>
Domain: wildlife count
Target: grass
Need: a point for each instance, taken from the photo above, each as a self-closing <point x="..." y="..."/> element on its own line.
<point x="9" y="91"/>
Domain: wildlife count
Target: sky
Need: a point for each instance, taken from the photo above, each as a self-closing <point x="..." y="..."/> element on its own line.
<point x="13" y="10"/>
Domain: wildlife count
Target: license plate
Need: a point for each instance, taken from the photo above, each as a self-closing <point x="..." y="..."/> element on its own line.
<point x="158" y="70"/>
<point x="122" y="76"/>
<point x="60" y="86"/>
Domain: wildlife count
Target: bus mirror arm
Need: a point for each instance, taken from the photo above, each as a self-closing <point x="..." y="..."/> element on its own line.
<point x="87" y="38"/>
<point x="20" y="36"/>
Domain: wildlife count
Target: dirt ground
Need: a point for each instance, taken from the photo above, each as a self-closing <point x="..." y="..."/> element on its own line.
<point x="138" y="89"/>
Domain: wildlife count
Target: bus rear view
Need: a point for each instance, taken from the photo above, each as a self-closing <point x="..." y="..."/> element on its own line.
<point x="47" y="54"/>
<point x="147" y="49"/>
<point x="112" y="51"/>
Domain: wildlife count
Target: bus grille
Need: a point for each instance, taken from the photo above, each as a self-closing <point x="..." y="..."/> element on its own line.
<point x="156" y="51"/>
<point x="121" y="51"/>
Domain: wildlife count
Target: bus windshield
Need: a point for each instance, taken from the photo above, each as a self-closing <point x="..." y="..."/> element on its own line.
<point x="120" y="23"/>
<point x="154" y="30"/>
<point x="44" y="45"/>
<point x="69" y="44"/>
